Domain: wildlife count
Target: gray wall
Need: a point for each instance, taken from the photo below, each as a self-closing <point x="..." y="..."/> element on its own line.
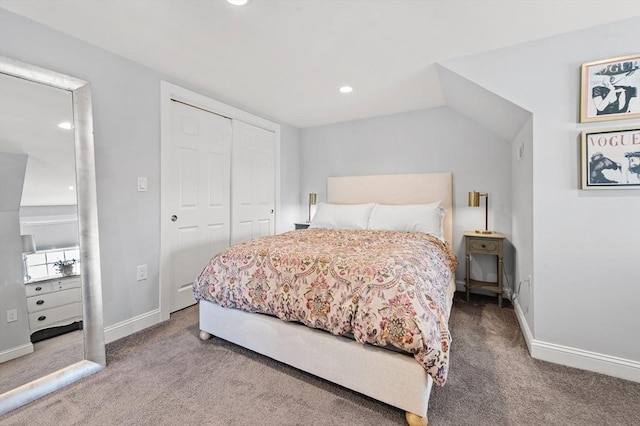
<point x="522" y="225"/>
<point x="513" y="124"/>
<point x="430" y="140"/>
<point x="14" y="336"/>
<point x="126" y="110"/>
<point x="585" y="244"/>
<point x="52" y="226"/>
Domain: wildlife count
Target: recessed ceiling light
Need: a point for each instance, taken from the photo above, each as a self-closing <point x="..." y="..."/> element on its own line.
<point x="65" y="125"/>
<point x="346" y="89"/>
<point x="239" y="2"/>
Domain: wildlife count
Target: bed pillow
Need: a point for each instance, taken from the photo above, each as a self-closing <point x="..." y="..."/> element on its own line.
<point x="342" y="216"/>
<point x="426" y="218"/>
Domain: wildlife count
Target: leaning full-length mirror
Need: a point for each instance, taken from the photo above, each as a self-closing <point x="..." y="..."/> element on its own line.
<point x="50" y="289"/>
<point x="37" y="152"/>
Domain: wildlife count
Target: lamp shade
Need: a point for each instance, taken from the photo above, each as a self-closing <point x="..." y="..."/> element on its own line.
<point x="28" y="243"/>
<point x="313" y="199"/>
<point x="474" y="199"/>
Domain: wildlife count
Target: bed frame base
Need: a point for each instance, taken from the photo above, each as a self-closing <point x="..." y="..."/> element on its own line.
<point x="412" y="419"/>
<point x="387" y="376"/>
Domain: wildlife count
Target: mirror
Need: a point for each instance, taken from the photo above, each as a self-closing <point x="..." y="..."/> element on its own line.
<point x="14" y="267"/>
<point x="43" y="188"/>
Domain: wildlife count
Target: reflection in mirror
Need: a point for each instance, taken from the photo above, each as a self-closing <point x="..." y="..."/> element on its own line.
<point x="35" y="121"/>
<point x="49" y="254"/>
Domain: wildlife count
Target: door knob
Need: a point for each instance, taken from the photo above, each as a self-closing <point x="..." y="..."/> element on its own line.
<point x="174" y="218"/>
<point x="271" y="211"/>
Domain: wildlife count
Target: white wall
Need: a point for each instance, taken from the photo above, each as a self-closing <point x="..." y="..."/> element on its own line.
<point x="14" y="336"/>
<point x="522" y="224"/>
<point x="586" y="246"/>
<point x="290" y="177"/>
<point x="430" y="140"/>
<point x="52" y="226"/>
<point x="126" y="112"/>
<point x="513" y="124"/>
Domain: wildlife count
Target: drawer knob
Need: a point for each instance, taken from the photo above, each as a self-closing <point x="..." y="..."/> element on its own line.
<point x="38" y="288"/>
<point x="42" y="318"/>
<point x="39" y="302"/>
<point x="483" y="246"/>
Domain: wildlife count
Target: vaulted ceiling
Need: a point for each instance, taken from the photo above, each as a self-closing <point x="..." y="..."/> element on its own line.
<point x="288" y="58"/>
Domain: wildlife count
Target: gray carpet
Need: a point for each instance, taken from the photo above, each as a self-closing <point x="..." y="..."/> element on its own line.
<point x="48" y="356"/>
<point x="166" y="376"/>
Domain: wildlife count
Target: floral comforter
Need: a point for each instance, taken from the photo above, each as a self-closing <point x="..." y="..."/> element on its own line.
<point x="384" y="287"/>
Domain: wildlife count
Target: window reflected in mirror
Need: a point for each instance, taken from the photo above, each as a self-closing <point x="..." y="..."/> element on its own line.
<point x="55" y="263"/>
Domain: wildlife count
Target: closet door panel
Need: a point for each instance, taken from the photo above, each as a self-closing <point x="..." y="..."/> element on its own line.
<point x="253" y="182"/>
<point x="197" y="195"/>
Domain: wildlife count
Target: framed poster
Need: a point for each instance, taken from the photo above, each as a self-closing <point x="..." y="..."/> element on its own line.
<point x="610" y="89"/>
<point x="611" y="159"/>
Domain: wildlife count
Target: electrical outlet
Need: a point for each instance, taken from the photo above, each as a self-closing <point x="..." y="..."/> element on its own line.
<point x="12" y="315"/>
<point x="141" y="273"/>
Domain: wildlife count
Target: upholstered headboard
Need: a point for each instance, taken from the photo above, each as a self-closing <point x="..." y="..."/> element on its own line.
<point x="396" y="189"/>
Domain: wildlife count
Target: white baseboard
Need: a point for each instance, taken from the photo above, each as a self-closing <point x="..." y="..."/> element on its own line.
<point x="16" y="352"/>
<point x="132" y="325"/>
<point x="577" y="358"/>
<point x="524" y="326"/>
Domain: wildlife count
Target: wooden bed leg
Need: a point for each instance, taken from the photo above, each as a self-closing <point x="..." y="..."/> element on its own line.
<point x="204" y="335"/>
<point x="416" y="420"/>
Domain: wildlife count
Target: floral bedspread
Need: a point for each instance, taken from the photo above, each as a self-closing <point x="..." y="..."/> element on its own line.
<point x="384" y="287"/>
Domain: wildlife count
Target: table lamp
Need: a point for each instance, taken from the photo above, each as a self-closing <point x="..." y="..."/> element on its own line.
<point x="474" y="201"/>
<point x="313" y="198"/>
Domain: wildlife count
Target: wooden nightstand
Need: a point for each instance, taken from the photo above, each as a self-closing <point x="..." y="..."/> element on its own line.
<point x="491" y="244"/>
<point x="301" y="225"/>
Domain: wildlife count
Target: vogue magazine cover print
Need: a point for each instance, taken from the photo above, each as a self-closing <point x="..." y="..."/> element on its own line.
<point x="610" y="89"/>
<point x="611" y="159"/>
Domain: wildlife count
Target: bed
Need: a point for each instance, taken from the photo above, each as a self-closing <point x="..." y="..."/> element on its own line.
<point x="404" y="375"/>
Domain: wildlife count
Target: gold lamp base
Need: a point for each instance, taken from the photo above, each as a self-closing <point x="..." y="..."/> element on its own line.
<point x="483" y="231"/>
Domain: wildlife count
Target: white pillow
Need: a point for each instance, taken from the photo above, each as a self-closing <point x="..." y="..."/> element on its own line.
<point x="342" y="216"/>
<point x="426" y="218"/>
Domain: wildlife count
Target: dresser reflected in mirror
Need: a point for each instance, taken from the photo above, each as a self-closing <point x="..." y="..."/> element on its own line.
<point x="51" y="331"/>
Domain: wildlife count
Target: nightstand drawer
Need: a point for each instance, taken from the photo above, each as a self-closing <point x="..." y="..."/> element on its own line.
<point x="484" y="246"/>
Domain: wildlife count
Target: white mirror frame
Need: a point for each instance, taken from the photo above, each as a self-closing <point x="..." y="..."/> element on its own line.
<point x="93" y="329"/>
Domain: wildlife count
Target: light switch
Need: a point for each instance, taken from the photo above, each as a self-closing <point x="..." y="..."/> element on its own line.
<point x="142" y="184"/>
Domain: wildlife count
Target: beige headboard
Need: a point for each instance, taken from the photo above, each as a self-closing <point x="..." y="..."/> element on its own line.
<point x="396" y="189"/>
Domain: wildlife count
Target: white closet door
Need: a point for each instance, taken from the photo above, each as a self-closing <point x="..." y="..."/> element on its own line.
<point x="253" y="182"/>
<point x="197" y="218"/>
